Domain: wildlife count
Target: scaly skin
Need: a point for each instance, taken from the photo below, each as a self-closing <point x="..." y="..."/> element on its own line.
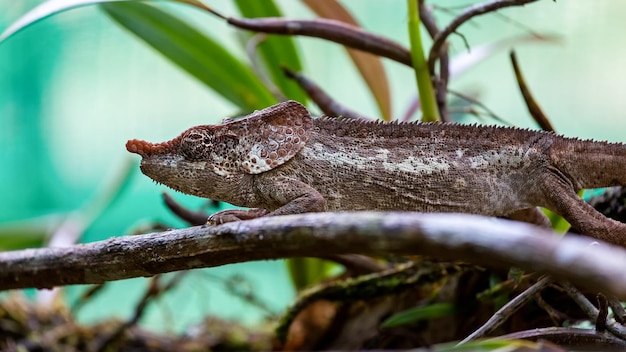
<point x="281" y="161"/>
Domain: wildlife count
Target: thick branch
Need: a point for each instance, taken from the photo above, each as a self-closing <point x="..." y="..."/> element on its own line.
<point x="470" y="238"/>
<point x="331" y="30"/>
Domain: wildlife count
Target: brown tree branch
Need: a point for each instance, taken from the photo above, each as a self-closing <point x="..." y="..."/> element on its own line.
<point x="575" y="338"/>
<point x="531" y="104"/>
<point x="331" y="30"/>
<point x="325" y="102"/>
<point x="504" y="313"/>
<point x="193" y="218"/>
<point x="592" y="312"/>
<point x="470" y="238"/>
<point x="469" y="13"/>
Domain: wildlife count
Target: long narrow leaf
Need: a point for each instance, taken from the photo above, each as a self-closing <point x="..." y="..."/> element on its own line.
<point x="306" y="272"/>
<point x="191" y="50"/>
<point x="53" y="7"/>
<point x="276" y="51"/>
<point x="413" y="315"/>
<point x="370" y="66"/>
<point x="44" y="10"/>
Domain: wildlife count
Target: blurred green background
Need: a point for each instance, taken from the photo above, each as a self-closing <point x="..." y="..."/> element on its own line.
<point x="75" y="87"/>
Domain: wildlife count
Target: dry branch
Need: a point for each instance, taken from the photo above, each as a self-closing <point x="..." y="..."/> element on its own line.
<point x="331" y="30"/>
<point x="469" y="13"/>
<point x="475" y="239"/>
<point x="325" y="102"/>
<point x="508" y="310"/>
<point x="531" y="104"/>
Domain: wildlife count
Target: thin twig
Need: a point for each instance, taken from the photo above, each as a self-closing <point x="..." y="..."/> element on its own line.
<point x="328" y="105"/>
<point x="504" y="313"/>
<point x="618" y="310"/>
<point x="467" y="14"/>
<point x="481" y="105"/>
<point x="356" y="264"/>
<point x="194" y="218"/>
<point x="232" y="285"/>
<point x="588" y="308"/>
<point x="86" y="296"/>
<point x="410" y="111"/>
<point x="591" y="311"/>
<point x="251" y="50"/>
<point x="238" y="286"/>
<point x="603" y="312"/>
<point x="555" y="315"/>
<point x="573" y="337"/>
<point x="155" y="289"/>
<point x="533" y="107"/>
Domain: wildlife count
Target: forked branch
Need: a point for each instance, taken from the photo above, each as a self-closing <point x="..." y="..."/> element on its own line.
<point x="469" y="13"/>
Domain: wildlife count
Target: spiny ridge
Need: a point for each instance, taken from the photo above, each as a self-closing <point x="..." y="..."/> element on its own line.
<point x="363" y="128"/>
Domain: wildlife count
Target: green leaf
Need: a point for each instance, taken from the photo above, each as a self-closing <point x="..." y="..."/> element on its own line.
<point x="26" y="234"/>
<point x="276" y="51"/>
<point x="45" y="9"/>
<point x="416" y="314"/>
<point x="306" y="272"/>
<point x="184" y="45"/>
<point x="52" y="7"/>
<point x="194" y="52"/>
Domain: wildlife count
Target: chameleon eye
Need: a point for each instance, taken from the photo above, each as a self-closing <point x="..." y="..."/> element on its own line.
<point x="196" y="145"/>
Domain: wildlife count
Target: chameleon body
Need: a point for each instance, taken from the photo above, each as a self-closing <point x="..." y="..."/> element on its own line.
<point x="280" y="160"/>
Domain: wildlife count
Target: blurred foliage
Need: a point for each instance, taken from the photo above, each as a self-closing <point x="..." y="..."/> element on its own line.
<point x="414" y="315"/>
<point x="253" y="84"/>
<point x="249" y="84"/>
<point x="276" y="51"/>
<point x="194" y="52"/>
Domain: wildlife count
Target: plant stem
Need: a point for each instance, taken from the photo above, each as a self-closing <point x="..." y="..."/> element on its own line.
<point x="422" y="76"/>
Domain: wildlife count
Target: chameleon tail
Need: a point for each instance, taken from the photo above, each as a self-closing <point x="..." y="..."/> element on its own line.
<point x="590" y="164"/>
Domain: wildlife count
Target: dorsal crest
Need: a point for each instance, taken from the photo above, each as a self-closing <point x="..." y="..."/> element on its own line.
<point x="270" y="137"/>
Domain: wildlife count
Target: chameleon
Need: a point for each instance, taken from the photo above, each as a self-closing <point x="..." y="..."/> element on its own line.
<point x="281" y="160"/>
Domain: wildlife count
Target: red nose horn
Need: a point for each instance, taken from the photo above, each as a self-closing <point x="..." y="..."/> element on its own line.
<point x="144" y="148"/>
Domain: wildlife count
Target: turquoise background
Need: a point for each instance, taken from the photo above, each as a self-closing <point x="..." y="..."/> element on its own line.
<point x="75" y="87"/>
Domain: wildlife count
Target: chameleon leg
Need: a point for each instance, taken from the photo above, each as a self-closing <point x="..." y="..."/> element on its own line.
<point x="289" y="196"/>
<point x="231" y="215"/>
<point x="562" y="198"/>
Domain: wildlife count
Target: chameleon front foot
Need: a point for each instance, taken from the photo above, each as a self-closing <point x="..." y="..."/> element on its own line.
<point x="235" y="215"/>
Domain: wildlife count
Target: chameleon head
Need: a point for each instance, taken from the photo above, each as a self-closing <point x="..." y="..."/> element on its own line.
<point x="193" y="163"/>
<point x="209" y="160"/>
